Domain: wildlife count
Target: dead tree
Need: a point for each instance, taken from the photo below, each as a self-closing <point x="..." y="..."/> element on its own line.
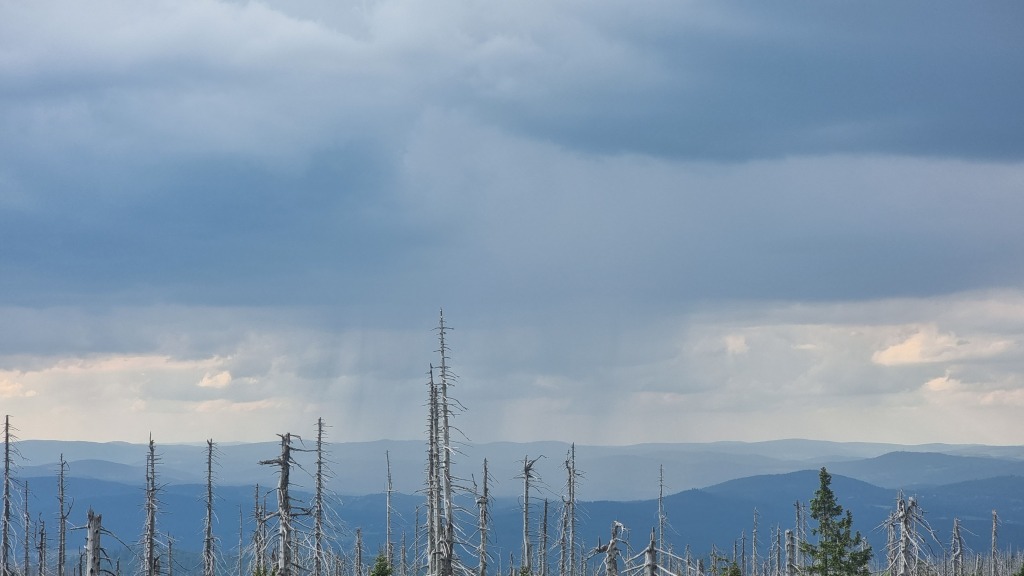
<point x="567" y="539"/>
<point x="801" y="535"/>
<point x="241" y="543"/>
<point x="319" y="506"/>
<point x="5" y="538"/>
<point x="483" y="503"/>
<point x="611" y="551"/>
<point x="440" y="479"/>
<point x="41" y="548"/>
<point x="777" y="553"/>
<point x="957" y="549"/>
<point x="741" y="560"/>
<point x="358" y="567"/>
<point x="753" y="547"/>
<point x="651" y="558"/>
<point x="994" y="570"/>
<point x="542" y="556"/>
<point x="790" y="554"/>
<point x="92" y="543"/>
<point x="389" y="548"/>
<point x="260" y="537"/>
<point x="527" y="475"/>
<point x="152" y="562"/>
<point x="433" y="478"/>
<point x="908" y="519"/>
<point x="906" y="557"/>
<point x="891" y="543"/>
<point x="63" y="513"/>
<point x="446" y="380"/>
<point x="209" y="542"/>
<point x="26" y="549"/>
<point x="285" y="535"/>
<point x="662" y="518"/>
<point x="563" y="545"/>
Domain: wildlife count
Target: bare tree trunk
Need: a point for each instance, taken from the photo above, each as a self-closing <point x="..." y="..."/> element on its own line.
<point x="957" y="549"/>
<point x="611" y="551"/>
<point x="92" y="544"/>
<point x="661" y="510"/>
<point x="742" y="559"/>
<point x="259" y="537"/>
<point x="403" y="565"/>
<point x="209" y="560"/>
<point x="241" y="544"/>
<point x="801" y="535"/>
<point x="777" y="569"/>
<point x="651" y="558"/>
<point x="563" y="544"/>
<point x="447" y="379"/>
<point x="482" y="502"/>
<point x="433" y="480"/>
<point x="753" y="547"/>
<point x="791" y="568"/>
<point x="994" y="570"/>
<point x="358" y="568"/>
<point x="5" y="545"/>
<point x="905" y="557"/>
<point x="318" y="504"/>
<point x="41" y="548"/>
<point x="567" y="540"/>
<point x="891" y="543"/>
<point x="28" y="530"/>
<point x="389" y="547"/>
<point x="149" y="535"/>
<point x="543" y="555"/>
<point x="527" y="475"/>
<point x="62" y="525"/>
<point x="284" y="506"/>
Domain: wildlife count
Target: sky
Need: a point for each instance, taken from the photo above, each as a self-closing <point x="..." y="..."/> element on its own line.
<point x="645" y="221"/>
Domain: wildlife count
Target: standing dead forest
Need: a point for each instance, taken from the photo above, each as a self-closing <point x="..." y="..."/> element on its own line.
<point x="290" y="532"/>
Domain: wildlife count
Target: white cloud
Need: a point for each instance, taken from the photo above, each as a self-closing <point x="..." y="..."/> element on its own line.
<point x="926" y="344"/>
<point x="13" y="389"/>
<point x="220" y="379"/>
<point x="221" y="406"/>
<point x="736" y="344"/>
<point x="943" y="384"/>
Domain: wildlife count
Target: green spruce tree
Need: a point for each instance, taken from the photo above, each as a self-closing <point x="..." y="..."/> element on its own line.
<point x="839" y="551"/>
<point x="381" y="567"/>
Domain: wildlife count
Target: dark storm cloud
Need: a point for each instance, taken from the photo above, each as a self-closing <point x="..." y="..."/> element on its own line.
<point x="733" y="82"/>
<point x="230" y="153"/>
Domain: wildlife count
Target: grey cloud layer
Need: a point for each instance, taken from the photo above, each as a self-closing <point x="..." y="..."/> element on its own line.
<point x="279" y="195"/>
<point x="268" y="154"/>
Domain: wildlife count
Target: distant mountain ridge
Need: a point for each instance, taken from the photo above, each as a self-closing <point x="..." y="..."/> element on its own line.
<point x="612" y="472"/>
<point x="913" y="469"/>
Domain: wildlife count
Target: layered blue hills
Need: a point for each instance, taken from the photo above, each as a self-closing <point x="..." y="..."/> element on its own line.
<point x="967" y="486"/>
